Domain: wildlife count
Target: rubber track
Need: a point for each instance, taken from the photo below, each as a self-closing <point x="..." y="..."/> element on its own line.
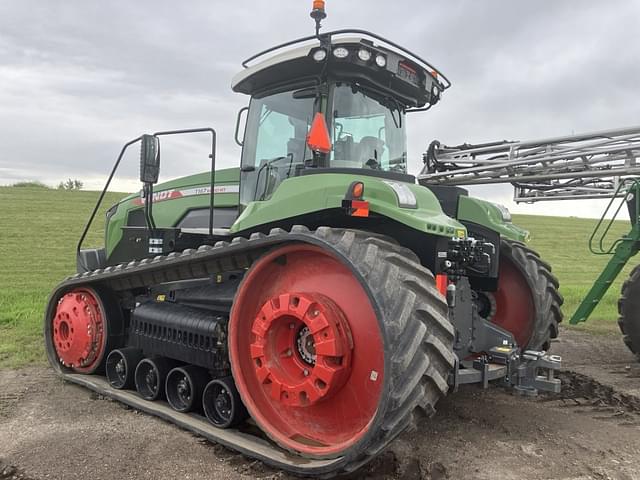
<point x="628" y="320"/>
<point x="418" y="335"/>
<point x="544" y="288"/>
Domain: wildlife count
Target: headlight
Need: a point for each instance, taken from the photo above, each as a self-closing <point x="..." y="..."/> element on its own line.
<point x="111" y="211"/>
<point x="381" y="61"/>
<point x="341" y="52"/>
<point x="504" y="211"/>
<point x="406" y="198"/>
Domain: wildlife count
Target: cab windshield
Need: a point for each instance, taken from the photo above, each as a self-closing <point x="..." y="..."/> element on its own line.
<point x="368" y="131"/>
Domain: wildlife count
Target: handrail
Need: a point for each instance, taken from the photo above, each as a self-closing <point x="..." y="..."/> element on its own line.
<point x="212" y="155"/>
<point x="629" y="185"/>
<point x="101" y="197"/>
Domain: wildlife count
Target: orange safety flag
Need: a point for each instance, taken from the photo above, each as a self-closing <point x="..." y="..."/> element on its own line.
<point x="318" y="137"/>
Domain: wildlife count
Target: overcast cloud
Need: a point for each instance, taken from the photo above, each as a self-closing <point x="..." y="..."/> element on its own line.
<point x="79" y="78"/>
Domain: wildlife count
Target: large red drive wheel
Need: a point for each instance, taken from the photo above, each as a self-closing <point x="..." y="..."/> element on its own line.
<point x="527" y="302"/>
<point x="80" y="330"/>
<point x="306" y="350"/>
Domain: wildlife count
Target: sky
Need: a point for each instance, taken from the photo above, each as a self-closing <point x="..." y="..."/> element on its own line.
<point x="79" y="78"/>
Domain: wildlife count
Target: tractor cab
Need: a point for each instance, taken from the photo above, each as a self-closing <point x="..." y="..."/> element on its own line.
<point x="335" y="102"/>
<point x="332" y="103"/>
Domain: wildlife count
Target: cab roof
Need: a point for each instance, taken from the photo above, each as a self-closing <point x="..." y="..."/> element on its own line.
<point x="401" y="74"/>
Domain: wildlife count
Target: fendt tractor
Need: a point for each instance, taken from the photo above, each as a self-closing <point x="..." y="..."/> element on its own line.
<point x="309" y="306"/>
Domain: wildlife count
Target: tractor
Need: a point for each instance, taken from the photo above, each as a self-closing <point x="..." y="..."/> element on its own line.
<point x="311" y="305"/>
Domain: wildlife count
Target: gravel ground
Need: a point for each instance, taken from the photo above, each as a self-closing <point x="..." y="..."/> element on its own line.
<point x="51" y="429"/>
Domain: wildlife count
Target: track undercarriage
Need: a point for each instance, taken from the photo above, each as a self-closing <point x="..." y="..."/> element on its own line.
<point x="374" y="316"/>
<point x="404" y="373"/>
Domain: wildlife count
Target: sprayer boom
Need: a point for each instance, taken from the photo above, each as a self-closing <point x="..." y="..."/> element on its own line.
<point x="578" y="166"/>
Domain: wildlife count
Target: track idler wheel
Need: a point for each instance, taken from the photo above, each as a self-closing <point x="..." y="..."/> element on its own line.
<point x="81" y="328"/>
<point x="222" y="405"/>
<point x="150" y="377"/>
<point x="184" y="386"/>
<point x="121" y="367"/>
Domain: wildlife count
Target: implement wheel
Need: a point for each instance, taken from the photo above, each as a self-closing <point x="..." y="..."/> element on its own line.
<point x="629" y="311"/>
<point x="332" y="351"/>
<point x="527" y="302"/>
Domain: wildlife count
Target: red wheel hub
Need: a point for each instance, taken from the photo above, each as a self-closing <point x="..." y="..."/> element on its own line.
<point x="302" y="348"/>
<point x="79" y="331"/>
<point x="514" y="306"/>
<point x="306" y="350"/>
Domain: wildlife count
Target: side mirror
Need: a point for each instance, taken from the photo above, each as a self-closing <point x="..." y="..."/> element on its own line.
<point x="149" y="159"/>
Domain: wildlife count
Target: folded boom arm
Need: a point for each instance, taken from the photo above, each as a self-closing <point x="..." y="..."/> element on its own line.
<point x="563" y="168"/>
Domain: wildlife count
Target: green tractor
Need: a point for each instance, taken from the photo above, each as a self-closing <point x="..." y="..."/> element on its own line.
<point x="308" y="307"/>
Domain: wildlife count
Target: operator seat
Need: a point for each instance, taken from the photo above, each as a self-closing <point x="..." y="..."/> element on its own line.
<point x="370" y="148"/>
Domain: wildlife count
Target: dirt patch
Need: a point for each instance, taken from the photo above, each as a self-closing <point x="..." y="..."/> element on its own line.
<point x="51" y="429"/>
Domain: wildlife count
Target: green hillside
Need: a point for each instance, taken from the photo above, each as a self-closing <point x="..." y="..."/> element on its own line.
<point x="562" y="242"/>
<point x="39" y="229"/>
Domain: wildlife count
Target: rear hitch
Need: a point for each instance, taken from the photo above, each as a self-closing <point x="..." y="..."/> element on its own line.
<point x="527" y="373"/>
<point x="537" y="372"/>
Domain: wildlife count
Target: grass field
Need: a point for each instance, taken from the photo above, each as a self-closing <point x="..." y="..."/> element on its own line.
<point x="39" y="229"/>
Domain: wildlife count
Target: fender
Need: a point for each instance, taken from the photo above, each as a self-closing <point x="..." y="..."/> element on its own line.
<point x="491" y="216"/>
<point x="303" y="195"/>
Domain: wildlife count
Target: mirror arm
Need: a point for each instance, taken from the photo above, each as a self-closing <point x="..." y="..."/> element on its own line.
<point x="148" y="207"/>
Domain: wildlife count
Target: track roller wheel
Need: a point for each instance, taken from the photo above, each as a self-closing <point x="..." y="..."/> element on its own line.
<point x="85" y="325"/>
<point x="121" y="367"/>
<point x="184" y="386"/>
<point x="629" y="311"/>
<point x="150" y="376"/>
<point x="222" y="405"/>
<point x="527" y="302"/>
<point x="334" y="350"/>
